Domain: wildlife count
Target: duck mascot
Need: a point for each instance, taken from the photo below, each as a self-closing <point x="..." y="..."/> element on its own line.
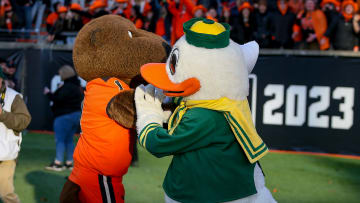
<point x="210" y="134"/>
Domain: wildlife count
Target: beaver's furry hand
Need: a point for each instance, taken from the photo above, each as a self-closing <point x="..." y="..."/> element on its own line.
<point x="121" y="109"/>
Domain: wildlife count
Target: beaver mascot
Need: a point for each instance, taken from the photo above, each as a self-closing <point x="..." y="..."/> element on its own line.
<point x="108" y="54"/>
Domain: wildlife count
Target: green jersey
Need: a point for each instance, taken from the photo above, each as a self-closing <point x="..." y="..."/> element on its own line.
<point x="208" y="163"/>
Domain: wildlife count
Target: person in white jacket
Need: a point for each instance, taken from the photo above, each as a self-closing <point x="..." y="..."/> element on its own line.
<point x="14" y="118"/>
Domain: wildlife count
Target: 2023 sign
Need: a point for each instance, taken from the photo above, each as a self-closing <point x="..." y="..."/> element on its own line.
<point x="296" y="109"/>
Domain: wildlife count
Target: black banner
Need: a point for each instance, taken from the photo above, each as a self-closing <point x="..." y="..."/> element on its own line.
<point x="302" y="103"/>
<point x="309" y="103"/>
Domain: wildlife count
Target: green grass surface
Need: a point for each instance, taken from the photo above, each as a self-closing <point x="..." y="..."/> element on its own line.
<point x="291" y="178"/>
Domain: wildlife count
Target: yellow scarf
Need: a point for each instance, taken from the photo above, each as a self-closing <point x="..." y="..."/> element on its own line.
<point x="238" y="115"/>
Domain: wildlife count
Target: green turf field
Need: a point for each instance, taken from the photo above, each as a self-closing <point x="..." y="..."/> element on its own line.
<point x="291" y="178"/>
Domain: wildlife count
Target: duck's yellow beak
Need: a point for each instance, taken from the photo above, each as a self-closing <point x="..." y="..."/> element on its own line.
<point x="155" y="74"/>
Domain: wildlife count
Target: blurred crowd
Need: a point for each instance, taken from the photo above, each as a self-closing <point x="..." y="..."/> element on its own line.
<point x="289" y="24"/>
<point x="15" y="14"/>
<point x="8" y="68"/>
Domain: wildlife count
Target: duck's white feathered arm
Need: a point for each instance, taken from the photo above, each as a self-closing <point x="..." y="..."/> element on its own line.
<point x="148" y="101"/>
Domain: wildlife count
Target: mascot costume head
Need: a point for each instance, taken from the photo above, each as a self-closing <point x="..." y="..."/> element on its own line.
<point x="211" y="135"/>
<point x="111" y="46"/>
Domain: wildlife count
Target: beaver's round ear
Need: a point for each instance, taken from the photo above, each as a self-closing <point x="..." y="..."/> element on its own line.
<point x="250" y="52"/>
<point x="96" y="39"/>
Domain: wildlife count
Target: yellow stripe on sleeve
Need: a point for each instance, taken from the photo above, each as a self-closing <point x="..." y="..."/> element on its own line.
<point x="144" y="143"/>
<point x="145" y="130"/>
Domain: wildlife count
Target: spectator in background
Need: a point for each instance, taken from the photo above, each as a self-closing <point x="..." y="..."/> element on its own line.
<point x="226" y="15"/>
<point x="69" y="21"/>
<point x="8" y="69"/>
<point x="14" y="117"/>
<point x="313" y="24"/>
<point x="24" y="13"/>
<point x="262" y="21"/>
<point x="146" y="6"/>
<point x="54" y="32"/>
<point x="243" y="25"/>
<point x="52" y="17"/>
<point x="79" y="14"/>
<point x="122" y="8"/>
<point x="212" y="14"/>
<point x="199" y="11"/>
<point x="150" y="14"/>
<point x="296" y="6"/>
<point x="136" y="17"/>
<point x="282" y="21"/>
<point x="9" y="73"/>
<point x="97" y="9"/>
<point x="4" y="6"/>
<point x="7" y="18"/>
<point x="182" y="11"/>
<point x="11" y="21"/>
<point x="67" y="111"/>
<point x="160" y="24"/>
<point x="149" y="19"/>
<point x="331" y="10"/>
<point x="347" y="28"/>
<point x="74" y="20"/>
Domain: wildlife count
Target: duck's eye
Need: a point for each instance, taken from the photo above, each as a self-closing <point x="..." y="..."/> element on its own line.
<point x="173" y="64"/>
<point x="130" y="34"/>
<point x="173" y="61"/>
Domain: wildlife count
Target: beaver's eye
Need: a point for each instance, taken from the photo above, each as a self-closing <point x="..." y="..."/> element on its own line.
<point x="130" y="34"/>
<point x="174" y="57"/>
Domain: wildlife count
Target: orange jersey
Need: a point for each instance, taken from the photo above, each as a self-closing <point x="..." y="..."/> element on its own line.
<point x="104" y="145"/>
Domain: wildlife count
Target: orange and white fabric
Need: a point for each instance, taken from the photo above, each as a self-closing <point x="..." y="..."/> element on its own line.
<point x="104" y="148"/>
